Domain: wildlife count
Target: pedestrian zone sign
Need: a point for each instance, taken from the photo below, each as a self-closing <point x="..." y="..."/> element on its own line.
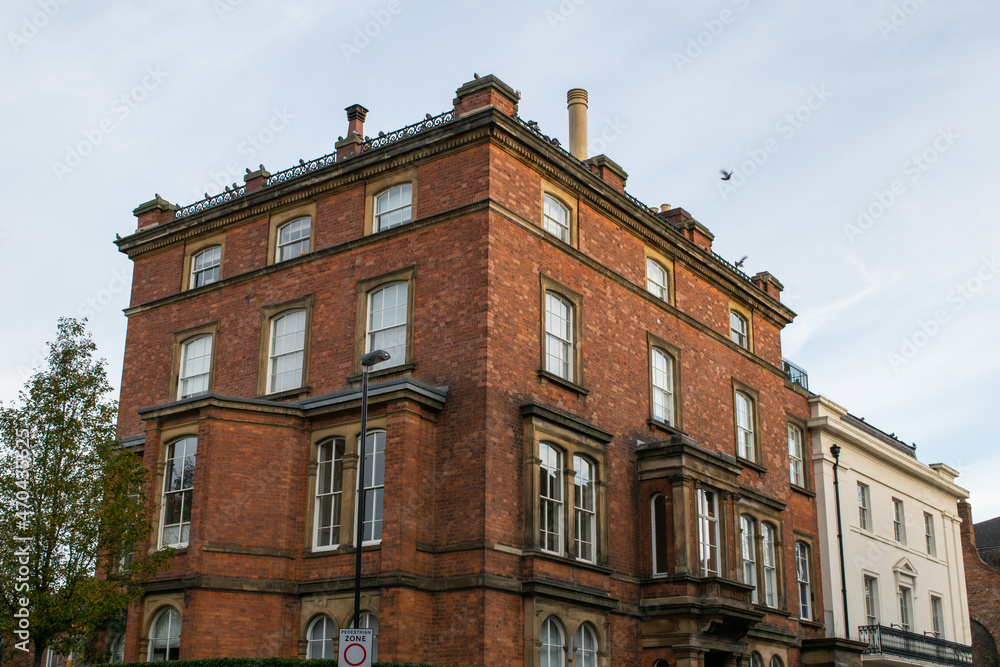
<point x="356" y="647"/>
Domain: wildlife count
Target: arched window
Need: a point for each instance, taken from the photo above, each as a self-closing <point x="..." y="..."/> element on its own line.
<point x="738" y="329"/>
<point x="802" y="577"/>
<point x="329" y="481"/>
<point x="583" y="484"/>
<point x="374" y="486"/>
<point x="205" y="267"/>
<point x="117" y="650"/>
<point x="769" y="565"/>
<point x="745" y="443"/>
<point x="796" y="470"/>
<point x="394" y="207"/>
<point x="586" y="647"/>
<point x="656" y="279"/>
<point x="552" y="652"/>
<point x="662" y="365"/>
<point x="756" y="660"/>
<point x="196" y="367"/>
<point x="550" y="498"/>
<point x="287" y="353"/>
<point x="658" y="508"/>
<point x="387" y="312"/>
<point x="178" y="490"/>
<point x="293" y="239"/>
<point x="749" y="553"/>
<point x="321" y="636"/>
<point x="556" y="218"/>
<point x="775" y="661"/>
<point x="559" y="336"/>
<point x="165" y="636"/>
<point x="368" y="620"/>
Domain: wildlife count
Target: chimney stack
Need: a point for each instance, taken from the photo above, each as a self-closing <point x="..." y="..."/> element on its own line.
<point x="576" y="100"/>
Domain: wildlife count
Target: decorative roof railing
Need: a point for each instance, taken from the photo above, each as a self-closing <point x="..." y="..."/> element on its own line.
<point x="725" y="262"/>
<point x="795" y="374"/>
<point x="301" y="169"/>
<point x="429" y="122"/>
<point x="209" y="201"/>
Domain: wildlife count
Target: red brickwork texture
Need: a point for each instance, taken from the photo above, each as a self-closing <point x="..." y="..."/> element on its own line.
<point x="983" y="584"/>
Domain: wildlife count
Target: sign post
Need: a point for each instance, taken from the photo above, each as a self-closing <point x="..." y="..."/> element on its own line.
<point x="356" y="647"/>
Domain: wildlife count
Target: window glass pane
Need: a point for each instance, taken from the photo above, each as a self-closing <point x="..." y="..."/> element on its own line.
<point x="556" y="218"/>
<point x="659" y="535"/>
<point x="551" y="652"/>
<point x="656" y="280"/>
<point x="769" y="564"/>
<point x="177" y="492"/>
<point x="550" y="498"/>
<point x="738" y="329"/>
<point x="322" y="634"/>
<point x="748" y="547"/>
<point x="165" y="638"/>
<point x="196" y="365"/>
<point x="293" y="239"/>
<point x="387" y="313"/>
<point x="796" y="472"/>
<point x="558" y="336"/>
<point x="287" y="351"/>
<point x="205" y="267"/>
<point x="586" y="647"/>
<point x="374" y="485"/>
<point x="394" y="207"/>
<point x="583" y="484"/>
<point x="663" y="386"/>
<point x="744" y="427"/>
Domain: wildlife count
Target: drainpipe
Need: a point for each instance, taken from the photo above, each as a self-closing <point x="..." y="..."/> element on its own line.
<point x="835" y="450"/>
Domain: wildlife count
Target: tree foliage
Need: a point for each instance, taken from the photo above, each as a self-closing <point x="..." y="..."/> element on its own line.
<point x="72" y="505"/>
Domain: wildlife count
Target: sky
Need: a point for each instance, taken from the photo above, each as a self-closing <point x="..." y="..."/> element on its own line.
<point x="862" y="138"/>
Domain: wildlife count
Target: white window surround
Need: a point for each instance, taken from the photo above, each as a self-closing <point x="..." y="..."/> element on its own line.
<point x="872" y="602"/>
<point x="196" y="367"/>
<point x="165" y="636"/>
<point x="585" y="507"/>
<point x="394" y="207"/>
<point x="205" y="267"/>
<point x="656" y="279"/>
<point x="559" y="353"/>
<point x="708" y="532"/>
<point x="929" y="539"/>
<point x="178" y="490"/>
<point x="550" y="497"/>
<point x="796" y="468"/>
<point x="556" y="218"/>
<point x="386" y="324"/>
<point x="662" y="374"/>
<point x="937" y="616"/>
<point x="374" y="486"/>
<point x="329" y="494"/>
<point x="864" y="505"/>
<point x="321" y="638"/>
<point x="293" y="239"/>
<point x="905" y="594"/>
<point x="898" y="521"/>
<point x="286" y="352"/>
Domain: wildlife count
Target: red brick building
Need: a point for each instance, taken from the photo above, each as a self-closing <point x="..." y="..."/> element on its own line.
<point x="981" y="556"/>
<point x="580" y="444"/>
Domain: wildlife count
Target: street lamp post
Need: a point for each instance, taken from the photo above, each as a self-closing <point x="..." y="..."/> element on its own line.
<point x="367" y="361"/>
<point x="835" y="450"/>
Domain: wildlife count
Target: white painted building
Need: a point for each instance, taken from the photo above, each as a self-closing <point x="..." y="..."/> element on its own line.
<point x="902" y="564"/>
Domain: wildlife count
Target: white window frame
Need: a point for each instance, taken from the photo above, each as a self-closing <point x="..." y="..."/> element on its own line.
<point x="374" y="489"/>
<point x="556" y="218"/>
<point x="370" y="621"/>
<point x="769" y="564"/>
<point x="748" y="549"/>
<point x="585" y="508"/>
<point x="552" y="649"/>
<point x="550" y="498"/>
<point x="658" y="535"/>
<point x="745" y="442"/>
<point x="386" y="210"/>
<point x="184" y="493"/>
<point x="293" y="246"/>
<point x="661" y="368"/>
<point x="171" y="641"/>
<point x="201" y="363"/>
<point x="864" y="507"/>
<point x="802" y="580"/>
<point x="756" y="660"/>
<point x="585" y="646"/>
<point x="708" y="532"/>
<point x="872" y="602"/>
<point x="560" y="350"/>
<point x="296" y="352"/>
<point x="796" y="467"/>
<point x="335" y="492"/>
<point x="898" y="521"/>
<point x="206" y="267"/>
<point x="937" y="616"/>
<point x="325" y="643"/>
<point x="116" y="652"/>
<point x="929" y="537"/>
<point x="383" y="325"/>
<point x="657" y="279"/>
<point x="739" y="329"/>
<point x="905" y="595"/>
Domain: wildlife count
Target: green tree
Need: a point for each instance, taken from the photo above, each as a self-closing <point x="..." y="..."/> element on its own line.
<point x="72" y="506"/>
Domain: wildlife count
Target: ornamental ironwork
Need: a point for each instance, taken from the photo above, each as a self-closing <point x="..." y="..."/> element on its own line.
<point x="926" y="648"/>
<point x="209" y="201"/>
<point x="429" y="122"/>
<point x="301" y="169"/>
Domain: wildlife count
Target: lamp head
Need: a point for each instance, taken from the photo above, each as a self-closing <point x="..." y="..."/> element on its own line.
<point x="375" y="357"/>
<point x="835" y="450"/>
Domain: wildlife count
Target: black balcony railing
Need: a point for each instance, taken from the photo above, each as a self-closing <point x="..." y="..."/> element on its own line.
<point x="890" y="641"/>
<point x="795" y="374"/>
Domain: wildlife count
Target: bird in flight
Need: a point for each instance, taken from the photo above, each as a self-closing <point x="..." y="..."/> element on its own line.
<point x="726" y="175"/>
<point x="740" y="263"/>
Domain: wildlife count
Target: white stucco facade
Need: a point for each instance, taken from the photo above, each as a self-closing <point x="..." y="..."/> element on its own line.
<point x="905" y="569"/>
